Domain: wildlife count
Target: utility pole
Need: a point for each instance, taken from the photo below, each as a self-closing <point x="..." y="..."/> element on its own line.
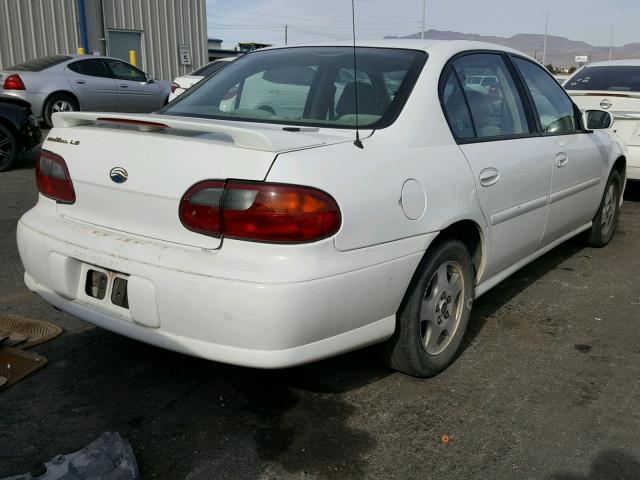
<point x="424" y="18"/>
<point x="546" y="32"/>
<point x="286" y="34"/>
<point x="611" y="44"/>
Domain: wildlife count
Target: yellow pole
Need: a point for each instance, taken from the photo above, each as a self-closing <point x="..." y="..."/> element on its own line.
<point x="132" y="58"/>
<point x="80" y="51"/>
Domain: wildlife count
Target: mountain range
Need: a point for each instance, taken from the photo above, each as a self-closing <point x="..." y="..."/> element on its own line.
<point x="561" y="51"/>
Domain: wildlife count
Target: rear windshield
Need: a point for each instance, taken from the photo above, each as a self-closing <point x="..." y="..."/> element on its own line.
<point x="39" y="64"/>
<point x="615" y="79"/>
<point x="308" y="86"/>
<point x="209" y="69"/>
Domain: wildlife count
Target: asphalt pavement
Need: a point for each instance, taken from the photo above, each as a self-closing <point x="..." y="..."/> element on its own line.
<point x="547" y="387"/>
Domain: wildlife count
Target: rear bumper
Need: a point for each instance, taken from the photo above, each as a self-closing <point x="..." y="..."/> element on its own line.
<point x="248" y="315"/>
<point x="36" y="100"/>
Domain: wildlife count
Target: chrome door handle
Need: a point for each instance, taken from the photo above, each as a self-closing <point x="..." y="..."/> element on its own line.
<point x="489" y="176"/>
<point x="124" y="86"/>
<point x="562" y="159"/>
<point x="81" y="82"/>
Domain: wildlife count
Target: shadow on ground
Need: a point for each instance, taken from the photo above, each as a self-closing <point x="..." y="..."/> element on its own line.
<point x="189" y="416"/>
<point x="632" y="192"/>
<point x="607" y="465"/>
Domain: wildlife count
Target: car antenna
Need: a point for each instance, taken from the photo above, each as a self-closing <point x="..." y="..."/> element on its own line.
<point x="357" y="142"/>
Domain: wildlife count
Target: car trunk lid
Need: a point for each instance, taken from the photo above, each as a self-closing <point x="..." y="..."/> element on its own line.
<point x="130" y="171"/>
<point x="623" y="106"/>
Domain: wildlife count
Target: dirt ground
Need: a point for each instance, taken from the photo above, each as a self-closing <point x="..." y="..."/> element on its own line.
<point x="548" y="387"/>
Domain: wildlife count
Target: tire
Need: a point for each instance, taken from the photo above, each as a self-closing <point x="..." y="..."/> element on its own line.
<point x="434" y="315"/>
<point x="58" y="102"/>
<point x="8" y="148"/>
<point x="606" y="220"/>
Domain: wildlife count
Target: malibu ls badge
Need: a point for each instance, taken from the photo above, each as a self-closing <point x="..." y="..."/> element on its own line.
<point x="118" y="175"/>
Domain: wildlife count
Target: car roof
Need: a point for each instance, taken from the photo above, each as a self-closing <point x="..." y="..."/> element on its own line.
<point x="441" y="46"/>
<point x="616" y="63"/>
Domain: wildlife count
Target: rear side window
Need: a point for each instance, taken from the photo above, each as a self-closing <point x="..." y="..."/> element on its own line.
<point x="455" y="108"/>
<point x="495" y="104"/>
<point x="39" y="64"/>
<point x="92" y="68"/>
<point x="615" y="79"/>
<point x="553" y="106"/>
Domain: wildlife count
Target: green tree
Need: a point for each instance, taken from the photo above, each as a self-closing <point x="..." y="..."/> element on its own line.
<point x="572" y="69"/>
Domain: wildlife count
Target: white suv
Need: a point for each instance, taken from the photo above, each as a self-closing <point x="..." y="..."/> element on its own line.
<point x="375" y="211"/>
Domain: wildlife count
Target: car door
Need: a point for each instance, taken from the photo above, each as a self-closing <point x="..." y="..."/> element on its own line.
<point x="579" y="158"/>
<point x="92" y="83"/>
<point x="135" y="92"/>
<point x="495" y="130"/>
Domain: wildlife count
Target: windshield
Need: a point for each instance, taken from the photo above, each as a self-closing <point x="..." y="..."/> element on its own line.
<point x="39" y="64"/>
<point x="307" y="86"/>
<point x="615" y="79"/>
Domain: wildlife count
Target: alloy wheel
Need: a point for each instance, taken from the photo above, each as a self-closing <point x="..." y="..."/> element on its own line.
<point x="442" y="307"/>
<point x="609" y="210"/>
<point x="62" y="106"/>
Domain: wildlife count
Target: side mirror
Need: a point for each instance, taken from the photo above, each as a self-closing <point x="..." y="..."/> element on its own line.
<point x="597" y="119"/>
<point x="150" y="79"/>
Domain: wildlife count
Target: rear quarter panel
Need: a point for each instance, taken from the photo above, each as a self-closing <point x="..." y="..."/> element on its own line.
<point x="367" y="183"/>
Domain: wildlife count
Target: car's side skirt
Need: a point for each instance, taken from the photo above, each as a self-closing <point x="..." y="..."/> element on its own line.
<point x="488" y="284"/>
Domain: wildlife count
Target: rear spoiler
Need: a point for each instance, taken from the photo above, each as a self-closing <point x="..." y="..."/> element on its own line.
<point x="248" y="137"/>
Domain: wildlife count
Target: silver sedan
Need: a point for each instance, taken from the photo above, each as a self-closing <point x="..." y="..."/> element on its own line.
<point x="62" y="83"/>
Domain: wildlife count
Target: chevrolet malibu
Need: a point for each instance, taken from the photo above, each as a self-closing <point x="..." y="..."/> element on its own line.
<point x="374" y="209"/>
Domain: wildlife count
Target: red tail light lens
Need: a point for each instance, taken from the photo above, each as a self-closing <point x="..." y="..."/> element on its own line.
<point x="52" y="177"/>
<point x="174" y="87"/>
<point x="13" y="82"/>
<point x="263" y="212"/>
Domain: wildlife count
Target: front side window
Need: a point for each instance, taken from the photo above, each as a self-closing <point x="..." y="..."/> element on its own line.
<point x="496" y="107"/>
<point x="308" y="86"/>
<point x="614" y="79"/>
<point x="554" y="108"/>
<point x="124" y="71"/>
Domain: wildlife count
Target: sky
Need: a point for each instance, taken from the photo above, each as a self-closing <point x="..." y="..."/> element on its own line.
<point x="318" y="20"/>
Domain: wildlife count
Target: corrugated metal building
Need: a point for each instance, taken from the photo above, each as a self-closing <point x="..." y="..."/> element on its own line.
<point x="168" y="36"/>
<point x="33" y="28"/>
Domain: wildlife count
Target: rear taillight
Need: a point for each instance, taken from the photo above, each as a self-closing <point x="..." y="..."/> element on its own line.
<point x="52" y="177"/>
<point x="174" y="87"/>
<point x="13" y="82"/>
<point x="262" y="212"/>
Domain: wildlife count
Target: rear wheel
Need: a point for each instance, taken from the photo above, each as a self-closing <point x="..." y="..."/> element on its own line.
<point x="606" y="220"/>
<point x="59" y="102"/>
<point x="8" y="148"/>
<point x="435" y="313"/>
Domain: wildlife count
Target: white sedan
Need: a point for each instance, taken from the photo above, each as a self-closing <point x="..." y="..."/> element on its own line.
<point x="271" y="240"/>
<point x="184" y="83"/>
<point x="613" y="86"/>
